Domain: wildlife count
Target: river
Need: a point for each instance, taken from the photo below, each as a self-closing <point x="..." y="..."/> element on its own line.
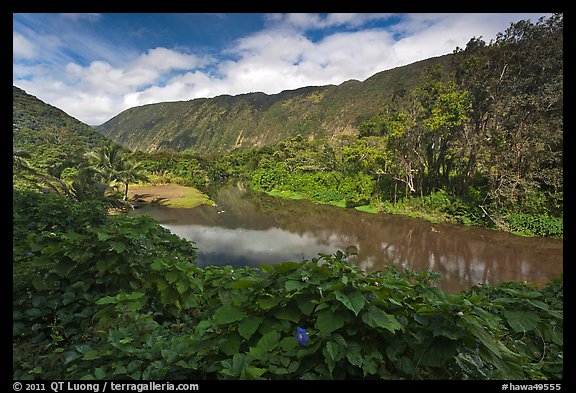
<point x="249" y="229"/>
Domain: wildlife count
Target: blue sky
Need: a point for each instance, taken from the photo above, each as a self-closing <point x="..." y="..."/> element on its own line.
<point x="93" y="66"/>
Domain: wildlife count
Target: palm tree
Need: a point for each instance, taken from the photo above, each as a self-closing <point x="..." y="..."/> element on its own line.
<point x="83" y="185"/>
<point x="129" y="172"/>
<point x="113" y="166"/>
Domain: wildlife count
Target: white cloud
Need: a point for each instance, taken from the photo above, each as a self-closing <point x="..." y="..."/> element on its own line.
<point x="162" y="59"/>
<point x="304" y="21"/>
<point x="22" y="48"/>
<point x="89" y="17"/>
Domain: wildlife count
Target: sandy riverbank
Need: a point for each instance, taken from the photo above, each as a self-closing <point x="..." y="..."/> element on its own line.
<point x="171" y="195"/>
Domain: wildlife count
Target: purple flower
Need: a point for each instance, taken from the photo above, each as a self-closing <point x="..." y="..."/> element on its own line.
<point x="301" y="336"/>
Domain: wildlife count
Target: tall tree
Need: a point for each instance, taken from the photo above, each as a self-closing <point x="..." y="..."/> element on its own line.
<point x="516" y="91"/>
<point x="443" y="109"/>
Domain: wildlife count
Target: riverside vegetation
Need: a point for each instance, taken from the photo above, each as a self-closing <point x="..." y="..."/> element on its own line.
<point x="99" y="296"/>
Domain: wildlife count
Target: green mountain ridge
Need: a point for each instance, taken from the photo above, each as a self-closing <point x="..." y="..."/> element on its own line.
<point x="224" y="123"/>
<point x="53" y="139"/>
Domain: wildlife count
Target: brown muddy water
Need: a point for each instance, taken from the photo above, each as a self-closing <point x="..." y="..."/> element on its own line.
<point x="250" y="229"/>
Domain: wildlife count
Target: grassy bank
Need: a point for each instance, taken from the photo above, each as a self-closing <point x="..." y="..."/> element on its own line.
<point x="441" y="207"/>
<point x="298" y="196"/>
<point x="171" y="195"/>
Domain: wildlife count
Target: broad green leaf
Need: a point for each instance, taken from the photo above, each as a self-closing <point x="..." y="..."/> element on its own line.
<point x="332" y="350"/>
<point x="471" y="365"/>
<point x="376" y="317"/>
<point x="130" y="296"/>
<point x="451" y="332"/>
<point x="83" y="348"/>
<point x="329" y="320"/>
<point x="370" y="365"/>
<point x="277" y="370"/>
<point x="34" y="312"/>
<point x="91" y="355"/>
<point x="183" y="266"/>
<point x="520" y="293"/>
<point x="406" y="365"/>
<point x="39" y="283"/>
<point x="169" y="354"/>
<point x="202" y="326"/>
<point x="41" y="261"/>
<point x="52" y="249"/>
<point x="248" y="326"/>
<point x="156" y="265"/>
<point x="421" y="319"/>
<point x="120" y="370"/>
<point x="354" y="355"/>
<point x="182" y="285"/>
<point x="231" y="345"/>
<point x="254" y="372"/>
<point x="126" y="340"/>
<point x="189" y="300"/>
<point x="322" y="306"/>
<point x="102" y="236"/>
<point x="293" y="285"/>
<point x="227" y="314"/>
<point x="78" y="284"/>
<point x="100" y="373"/>
<point x="172" y="276"/>
<point x="305" y="303"/>
<point x="293" y="366"/>
<point x="106" y="300"/>
<point x="522" y="321"/>
<point x="161" y="284"/>
<point x="486" y="339"/>
<point x="286" y="267"/>
<point x="267" y="303"/>
<point x="136" y="375"/>
<point x="269" y="341"/>
<point x="539" y="304"/>
<point x="354" y="301"/>
<point x="37" y="370"/>
<point x="394" y="348"/>
<point x="242" y="283"/>
<point x="290" y="313"/>
<point x="288" y="343"/>
<point x="71" y="356"/>
<point x="437" y="353"/>
<point x="63" y="267"/>
<point x="118" y="246"/>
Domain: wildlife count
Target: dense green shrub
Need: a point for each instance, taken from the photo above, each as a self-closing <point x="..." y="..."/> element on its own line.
<point x="324" y="187"/>
<point x="120" y="297"/>
<point x="536" y="225"/>
<point x="66" y="256"/>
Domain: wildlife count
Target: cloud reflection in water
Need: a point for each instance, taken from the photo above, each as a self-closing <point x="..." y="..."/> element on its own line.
<point x="241" y="247"/>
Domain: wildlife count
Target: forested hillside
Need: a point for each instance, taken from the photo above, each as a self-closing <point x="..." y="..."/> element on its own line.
<point x="224" y="123"/>
<point x="50" y="138"/>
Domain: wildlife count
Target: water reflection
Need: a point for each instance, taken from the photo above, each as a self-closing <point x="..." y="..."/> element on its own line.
<point x="252" y="229"/>
<point x="243" y="247"/>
